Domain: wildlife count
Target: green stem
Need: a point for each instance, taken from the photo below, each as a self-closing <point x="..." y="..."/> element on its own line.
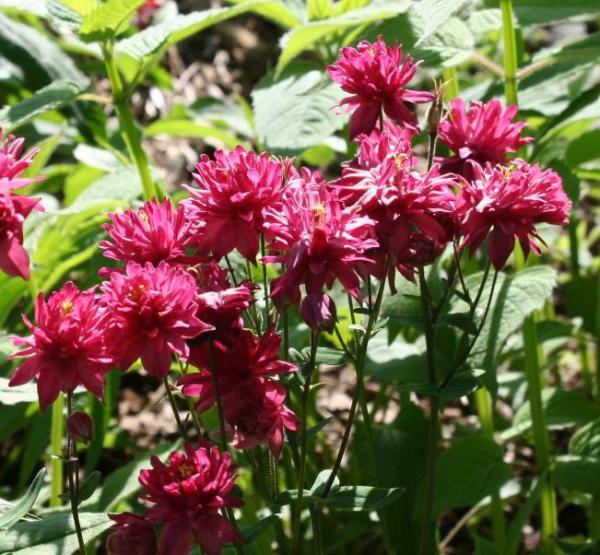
<point x="574" y="246"/>
<point x="72" y="477"/>
<point x="56" y="463"/>
<point x="540" y="435"/>
<point x="180" y="426"/>
<point x="483" y="401"/>
<point x="215" y="382"/>
<point x="450" y="77"/>
<point x="308" y="372"/>
<point x="265" y="280"/>
<point x="130" y="132"/>
<point x="510" y="52"/>
<point x="428" y="520"/>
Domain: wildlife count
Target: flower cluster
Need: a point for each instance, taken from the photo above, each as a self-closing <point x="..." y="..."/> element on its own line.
<point x="175" y="292"/>
<point x="186" y="496"/>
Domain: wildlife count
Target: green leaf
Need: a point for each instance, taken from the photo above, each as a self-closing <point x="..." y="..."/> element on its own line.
<point x="320" y="482"/>
<point x="44" y="100"/>
<point x="54" y="534"/>
<point x="26" y="393"/>
<point x="435" y="13"/>
<point x="576" y="473"/>
<point x="359" y="498"/>
<point x="285" y="13"/>
<point x="585" y="442"/>
<point x="295" y="111"/>
<point x="516" y="296"/>
<point x="537" y="12"/>
<point x="306" y="36"/>
<point x="156" y="37"/>
<point x="41" y="59"/>
<point x="187" y="128"/>
<point x="482" y="472"/>
<point x="25" y="503"/>
<point x="251" y="532"/>
<point x="563" y="409"/>
<point x="584" y="148"/>
<point x="106" y="20"/>
<point x="89" y="485"/>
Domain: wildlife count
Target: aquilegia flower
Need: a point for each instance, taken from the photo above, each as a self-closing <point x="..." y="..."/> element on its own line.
<point x="134" y="535"/>
<point x="67" y="346"/>
<point x="14" y="209"/>
<point x="483" y="133"/>
<point x="376" y="76"/>
<point x="319" y="240"/>
<point x="186" y="495"/>
<point x="235" y="189"/>
<point x="152" y="313"/>
<point x="156" y="232"/>
<point x="503" y="204"/>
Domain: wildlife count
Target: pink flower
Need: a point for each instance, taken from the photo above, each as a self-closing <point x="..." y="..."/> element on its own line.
<point x="186" y="495"/>
<point x="504" y="203"/>
<point x="67" y="346"/>
<point x="146" y="12"/>
<point x="376" y="76"/>
<point x="134" y="536"/>
<point x="484" y="133"/>
<point x="152" y="314"/>
<point x="318" y="240"/>
<point x="257" y="414"/>
<point x="14" y="209"/>
<point x="240" y="359"/>
<point x="156" y="232"/>
<point x="236" y="188"/>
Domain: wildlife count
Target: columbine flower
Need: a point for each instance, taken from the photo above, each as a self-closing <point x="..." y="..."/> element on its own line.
<point x="484" y="133"/>
<point x="67" y="345"/>
<point x="134" y="536"/>
<point x="12" y="162"/>
<point x="156" y="232"/>
<point x="318" y="239"/>
<point x="240" y="360"/>
<point x="376" y="75"/>
<point x="186" y="495"/>
<point x="146" y="12"/>
<point x="257" y="414"/>
<point x="236" y="188"/>
<point x="319" y="312"/>
<point x="152" y="314"/>
<point x="504" y="204"/>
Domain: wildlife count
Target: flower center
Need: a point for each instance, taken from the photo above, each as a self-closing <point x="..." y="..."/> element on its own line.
<point x="319" y="213"/>
<point x="186" y="470"/>
<point x="136" y="292"/>
<point x="66" y="308"/>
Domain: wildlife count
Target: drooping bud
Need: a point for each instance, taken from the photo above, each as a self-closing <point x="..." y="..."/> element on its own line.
<point x="319" y="312"/>
<point x="80" y="427"/>
<point x="436" y="110"/>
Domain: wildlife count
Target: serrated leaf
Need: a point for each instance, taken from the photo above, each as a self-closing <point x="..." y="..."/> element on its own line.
<point x="53" y="534"/>
<point x="305" y="36"/>
<point x="106" y="19"/>
<point x="154" y="38"/>
<point x="295" y="112"/>
<point x="44" y="100"/>
<point x="25" y="503"/>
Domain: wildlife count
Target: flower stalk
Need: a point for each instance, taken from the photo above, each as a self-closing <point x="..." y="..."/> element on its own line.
<point x="56" y="462"/>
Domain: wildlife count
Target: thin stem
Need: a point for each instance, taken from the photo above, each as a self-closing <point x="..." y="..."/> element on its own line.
<point x="483" y="401"/>
<point x="359" y="395"/>
<point x="130" y="132"/>
<point x="265" y="280"/>
<point x="308" y="372"/>
<point x="190" y="403"/>
<point x="510" y="52"/>
<point x="316" y="528"/>
<point x="215" y="382"/>
<point x="231" y="272"/>
<point x="73" y="482"/>
<point x="56" y="462"/>
<point x="180" y="426"/>
<point x="427" y="521"/>
<point x="574" y="246"/>
<point x="461" y="276"/>
<point x="343" y="344"/>
<point x="286" y="334"/>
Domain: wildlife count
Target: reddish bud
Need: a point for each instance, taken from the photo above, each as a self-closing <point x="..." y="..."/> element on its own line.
<point x="80" y="427"/>
<point x="319" y="312"/>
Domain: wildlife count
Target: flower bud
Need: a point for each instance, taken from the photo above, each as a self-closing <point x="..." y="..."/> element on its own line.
<point x="80" y="427"/>
<point x="319" y="312"/>
<point x="436" y="110"/>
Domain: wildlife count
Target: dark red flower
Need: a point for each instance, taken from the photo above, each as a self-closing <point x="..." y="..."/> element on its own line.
<point x="484" y="133"/>
<point x="134" y="535"/>
<point x="155" y="233"/>
<point x="152" y="315"/>
<point x="235" y="189"/>
<point x="319" y="312"/>
<point x="504" y="203"/>
<point x="376" y="76"/>
<point x="67" y="346"/>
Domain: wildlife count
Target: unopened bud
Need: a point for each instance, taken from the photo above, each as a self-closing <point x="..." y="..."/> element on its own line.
<point x="319" y="312"/>
<point x="436" y="110"/>
<point x="80" y="427"/>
